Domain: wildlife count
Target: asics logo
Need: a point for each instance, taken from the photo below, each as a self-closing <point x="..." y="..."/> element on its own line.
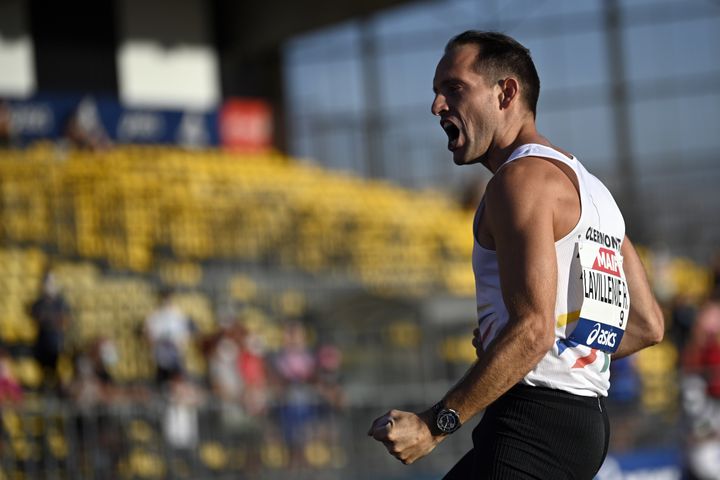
<point x="603" y="337"/>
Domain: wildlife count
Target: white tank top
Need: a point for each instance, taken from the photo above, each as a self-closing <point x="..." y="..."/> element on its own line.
<point x="568" y="366"/>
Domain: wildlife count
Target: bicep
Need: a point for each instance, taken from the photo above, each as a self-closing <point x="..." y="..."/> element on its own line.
<point x="522" y="226"/>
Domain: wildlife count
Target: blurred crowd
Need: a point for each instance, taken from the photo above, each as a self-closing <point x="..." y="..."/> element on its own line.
<point x="289" y="392"/>
<point x="288" y="395"/>
<point x="699" y="331"/>
<point x="671" y="392"/>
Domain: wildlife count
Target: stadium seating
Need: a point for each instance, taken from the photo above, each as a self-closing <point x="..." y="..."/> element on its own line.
<point x="158" y="213"/>
<point x="115" y="225"/>
<point x="133" y="207"/>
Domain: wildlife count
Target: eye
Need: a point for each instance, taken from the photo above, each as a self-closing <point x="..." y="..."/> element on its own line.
<point x="454" y="88"/>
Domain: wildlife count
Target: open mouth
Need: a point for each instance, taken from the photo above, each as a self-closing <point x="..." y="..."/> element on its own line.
<point x="453" y="133"/>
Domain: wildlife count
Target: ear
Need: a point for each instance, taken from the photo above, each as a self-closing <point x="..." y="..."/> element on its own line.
<point x="509" y="91"/>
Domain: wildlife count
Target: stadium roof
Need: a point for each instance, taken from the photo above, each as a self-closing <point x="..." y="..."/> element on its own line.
<point x="252" y="26"/>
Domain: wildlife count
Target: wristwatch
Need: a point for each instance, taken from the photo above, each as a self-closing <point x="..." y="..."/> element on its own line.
<point x="447" y="420"/>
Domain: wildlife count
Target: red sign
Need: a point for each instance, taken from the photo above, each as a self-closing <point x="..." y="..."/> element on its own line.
<point x="607" y="262"/>
<point x="246" y="125"/>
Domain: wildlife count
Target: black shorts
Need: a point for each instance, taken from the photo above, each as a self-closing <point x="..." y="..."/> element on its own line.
<point x="537" y="433"/>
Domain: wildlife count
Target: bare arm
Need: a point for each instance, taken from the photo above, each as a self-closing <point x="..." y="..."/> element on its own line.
<point x="520" y="214"/>
<point x="645" y="323"/>
<point x="521" y="220"/>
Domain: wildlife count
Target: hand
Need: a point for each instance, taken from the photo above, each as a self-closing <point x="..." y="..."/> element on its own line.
<point x="406" y="435"/>
<point x="477" y="343"/>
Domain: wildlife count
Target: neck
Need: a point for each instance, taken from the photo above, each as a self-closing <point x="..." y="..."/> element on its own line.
<point x="511" y="138"/>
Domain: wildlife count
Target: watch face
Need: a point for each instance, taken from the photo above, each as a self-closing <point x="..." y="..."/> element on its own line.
<point x="447" y="421"/>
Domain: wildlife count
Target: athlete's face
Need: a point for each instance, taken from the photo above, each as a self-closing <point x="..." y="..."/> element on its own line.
<point x="467" y="105"/>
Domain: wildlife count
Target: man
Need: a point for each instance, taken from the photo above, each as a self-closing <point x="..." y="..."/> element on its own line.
<point x="168" y="330"/>
<point x="52" y="316"/>
<point x="552" y="287"/>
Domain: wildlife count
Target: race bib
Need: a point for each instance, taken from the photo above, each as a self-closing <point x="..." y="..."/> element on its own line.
<point x="606" y="299"/>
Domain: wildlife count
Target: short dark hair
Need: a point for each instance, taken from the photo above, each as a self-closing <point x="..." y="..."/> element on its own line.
<point x="502" y="55"/>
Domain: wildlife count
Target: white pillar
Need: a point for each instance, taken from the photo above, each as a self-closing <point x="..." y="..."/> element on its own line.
<point x="17" y="61"/>
<point x="165" y="55"/>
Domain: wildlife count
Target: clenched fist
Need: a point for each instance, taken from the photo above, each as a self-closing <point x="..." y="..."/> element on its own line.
<point x="406" y="435"/>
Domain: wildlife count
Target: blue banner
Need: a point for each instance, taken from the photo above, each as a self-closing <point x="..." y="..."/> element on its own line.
<point x="48" y="116"/>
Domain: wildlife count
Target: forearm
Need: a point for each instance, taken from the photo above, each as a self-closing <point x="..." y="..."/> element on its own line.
<point x="509" y="358"/>
<point x="629" y="345"/>
<point x="645" y="325"/>
<point x="641" y="332"/>
<point x="522" y="226"/>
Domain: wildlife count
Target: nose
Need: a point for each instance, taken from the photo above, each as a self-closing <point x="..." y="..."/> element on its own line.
<point x="438" y="105"/>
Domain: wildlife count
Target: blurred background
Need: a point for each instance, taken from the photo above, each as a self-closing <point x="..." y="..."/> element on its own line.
<point x="231" y="234"/>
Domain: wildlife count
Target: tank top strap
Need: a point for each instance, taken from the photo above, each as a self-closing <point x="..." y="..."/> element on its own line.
<point x="537" y="150"/>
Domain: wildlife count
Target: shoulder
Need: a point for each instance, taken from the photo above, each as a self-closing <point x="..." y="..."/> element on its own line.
<point x="526" y="181"/>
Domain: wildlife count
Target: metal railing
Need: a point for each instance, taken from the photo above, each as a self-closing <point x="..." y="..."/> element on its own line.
<point x="160" y="439"/>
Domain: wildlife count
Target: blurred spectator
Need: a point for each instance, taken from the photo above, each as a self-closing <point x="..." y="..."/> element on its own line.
<point x="224" y="374"/>
<point x="682" y="317"/>
<point x="10" y="389"/>
<point x="331" y="395"/>
<point x="84" y="129"/>
<point x="238" y="376"/>
<point x="169" y="330"/>
<point x="251" y="364"/>
<point x="715" y="268"/>
<point x="625" y="389"/>
<point x="329" y="360"/>
<point x="180" y="422"/>
<point x="702" y="352"/>
<point x="6" y="139"/>
<point x="295" y="367"/>
<point x="701" y="392"/>
<point x="51" y="314"/>
<point x="237" y="368"/>
<point x="623" y="400"/>
<point x="93" y="384"/>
